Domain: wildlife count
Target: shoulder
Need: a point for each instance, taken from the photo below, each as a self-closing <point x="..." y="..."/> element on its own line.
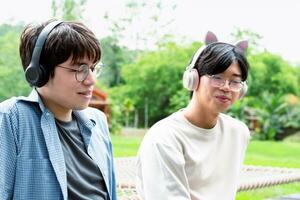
<point x="233" y="121"/>
<point x="16" y="111"/>
<point x="236" y="125"/>
<point x="164" y="132"/>
<point x="16" y="105"/>
<point x="8" y="105"/>
<point x="165" y="126"/>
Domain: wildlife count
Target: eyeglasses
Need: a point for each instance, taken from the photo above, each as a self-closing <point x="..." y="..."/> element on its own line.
<point x="83" y="71"/>
<point x="218" y="81"/>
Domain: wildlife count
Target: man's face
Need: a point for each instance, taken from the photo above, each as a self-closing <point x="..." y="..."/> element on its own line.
<point x="63" y="92"/>
<point x="217" y="99"/>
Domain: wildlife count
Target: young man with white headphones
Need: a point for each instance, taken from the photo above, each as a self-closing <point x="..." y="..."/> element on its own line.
<point x="197" y="153"/>
<point x="52" y="145"/>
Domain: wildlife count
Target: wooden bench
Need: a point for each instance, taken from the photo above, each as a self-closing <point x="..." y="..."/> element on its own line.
<point x="252" y="177"/>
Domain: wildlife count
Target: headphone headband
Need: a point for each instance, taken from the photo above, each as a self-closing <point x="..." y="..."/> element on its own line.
<point x="35" y="73"/>
<point x="195" y="57"/>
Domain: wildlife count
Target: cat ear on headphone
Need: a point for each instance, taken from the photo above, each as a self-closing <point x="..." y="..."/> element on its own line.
<point x="242" y="45"/>
<point x="210" y="38"/>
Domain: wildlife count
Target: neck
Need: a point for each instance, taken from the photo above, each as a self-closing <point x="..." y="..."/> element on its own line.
<point x="59" y="112"/>
<point x="200" y="116"/>
<point x="62" y="115"/>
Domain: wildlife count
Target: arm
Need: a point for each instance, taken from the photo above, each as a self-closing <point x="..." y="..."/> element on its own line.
<point x="161" y="172"/>
<point x="8" y="154"/>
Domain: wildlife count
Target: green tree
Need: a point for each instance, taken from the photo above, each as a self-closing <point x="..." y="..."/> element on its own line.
<point x="153" y="79"/>
<point x="68" y="9"/>
<point x="114" y="57"/>
<point x="11" y="72"/>
<point x="271" y="73"/>
<point x="128" y="107"/>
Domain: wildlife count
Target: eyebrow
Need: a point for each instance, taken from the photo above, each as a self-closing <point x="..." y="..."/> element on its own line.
<point x="76" y="65"/>
<point x="237" y="75"/>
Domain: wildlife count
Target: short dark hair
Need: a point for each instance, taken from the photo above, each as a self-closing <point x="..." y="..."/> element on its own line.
<point x="65" y="40"/>
<point x="218" y="56"/>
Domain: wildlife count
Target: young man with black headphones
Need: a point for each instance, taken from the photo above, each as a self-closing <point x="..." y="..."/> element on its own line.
<point x="197" y="152"/>
<point x="52" y="145"/>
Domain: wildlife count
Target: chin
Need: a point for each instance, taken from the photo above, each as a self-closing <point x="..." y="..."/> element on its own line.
<point x="81" y="107"/>
<point x="222" y="109"/>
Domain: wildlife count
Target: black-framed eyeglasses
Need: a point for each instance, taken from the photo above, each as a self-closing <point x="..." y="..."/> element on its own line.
<point x="83" y="71"/>
<point x="218" y="81"/>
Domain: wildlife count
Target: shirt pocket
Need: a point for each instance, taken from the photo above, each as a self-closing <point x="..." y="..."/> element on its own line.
<point x="35" y="179"/>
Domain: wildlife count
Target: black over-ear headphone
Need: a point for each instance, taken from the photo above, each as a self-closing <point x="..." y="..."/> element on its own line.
<point x="36" y="74"/>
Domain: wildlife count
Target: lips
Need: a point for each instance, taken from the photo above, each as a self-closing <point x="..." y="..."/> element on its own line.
<point x="87" y="94"/>
<point x="223" y="98"/>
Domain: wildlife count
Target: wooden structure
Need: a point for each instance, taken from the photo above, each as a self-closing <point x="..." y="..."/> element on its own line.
<point x="100" y="101"/>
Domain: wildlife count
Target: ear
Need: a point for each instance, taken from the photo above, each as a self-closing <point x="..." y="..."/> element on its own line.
<point x="210" y="38"/>
<point x="242" y="45"/>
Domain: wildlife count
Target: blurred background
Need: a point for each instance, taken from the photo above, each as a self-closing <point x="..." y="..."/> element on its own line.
<point x="148" y="44"/>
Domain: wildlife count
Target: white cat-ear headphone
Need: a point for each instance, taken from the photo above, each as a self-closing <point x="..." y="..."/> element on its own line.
<point x="191" y="77"/>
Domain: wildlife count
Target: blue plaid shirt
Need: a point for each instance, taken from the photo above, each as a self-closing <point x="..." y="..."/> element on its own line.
<point x="32" y="162"/>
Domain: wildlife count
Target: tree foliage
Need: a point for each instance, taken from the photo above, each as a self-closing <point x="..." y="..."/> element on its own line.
<point x="68" y="9"/>
<point x="114" y="57"/>
<point x="153" y="79"/>
<point x="271" y="73"/>
<point x="11" y="72"/>
<point x="146" y="85"/>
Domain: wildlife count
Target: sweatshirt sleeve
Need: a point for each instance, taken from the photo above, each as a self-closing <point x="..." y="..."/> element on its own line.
<point x="161" y="173"/>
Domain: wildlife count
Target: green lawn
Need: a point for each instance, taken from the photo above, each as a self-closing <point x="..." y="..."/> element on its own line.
<point x="269" y="153"/>
<point x="265" y="153"/>
<point x="125" y="146"/>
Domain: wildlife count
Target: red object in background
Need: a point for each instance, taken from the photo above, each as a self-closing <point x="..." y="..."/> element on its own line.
<point x="100" y="101"/>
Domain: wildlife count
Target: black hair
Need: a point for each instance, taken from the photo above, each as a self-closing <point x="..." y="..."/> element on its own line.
<point x="218" y="56"/>
<point x="67" y="39"/>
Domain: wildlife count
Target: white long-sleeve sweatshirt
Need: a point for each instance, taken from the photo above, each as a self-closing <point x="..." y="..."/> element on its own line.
<point x="180" y="161"/>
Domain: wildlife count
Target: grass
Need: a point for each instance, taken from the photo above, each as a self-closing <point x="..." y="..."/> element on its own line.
<point x="264" y="153"/>
<point x="125" y="146"/>
<point x="270" y="153"/>
<point x="269" y="192"/>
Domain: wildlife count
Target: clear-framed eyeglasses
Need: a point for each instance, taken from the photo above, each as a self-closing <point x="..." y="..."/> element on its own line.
<point x="218" y="81"/>
<point x="83" y="71"/>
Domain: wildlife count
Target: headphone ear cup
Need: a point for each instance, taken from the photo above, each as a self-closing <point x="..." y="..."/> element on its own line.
<point x="44" y="76"/>
<point x="191" y="79"/>
<point x="243" y="91"/>
<point x="36" y="76"/>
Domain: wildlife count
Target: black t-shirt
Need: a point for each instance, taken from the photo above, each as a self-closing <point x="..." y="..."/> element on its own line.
<point x="84" y="179"/>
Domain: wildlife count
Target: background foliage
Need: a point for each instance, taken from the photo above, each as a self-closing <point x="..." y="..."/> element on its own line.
<point x="145" y="84"/>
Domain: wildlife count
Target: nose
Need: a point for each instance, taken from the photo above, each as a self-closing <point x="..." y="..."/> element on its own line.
<point x="226" y="86"/>
<point x="90" y="79"/>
